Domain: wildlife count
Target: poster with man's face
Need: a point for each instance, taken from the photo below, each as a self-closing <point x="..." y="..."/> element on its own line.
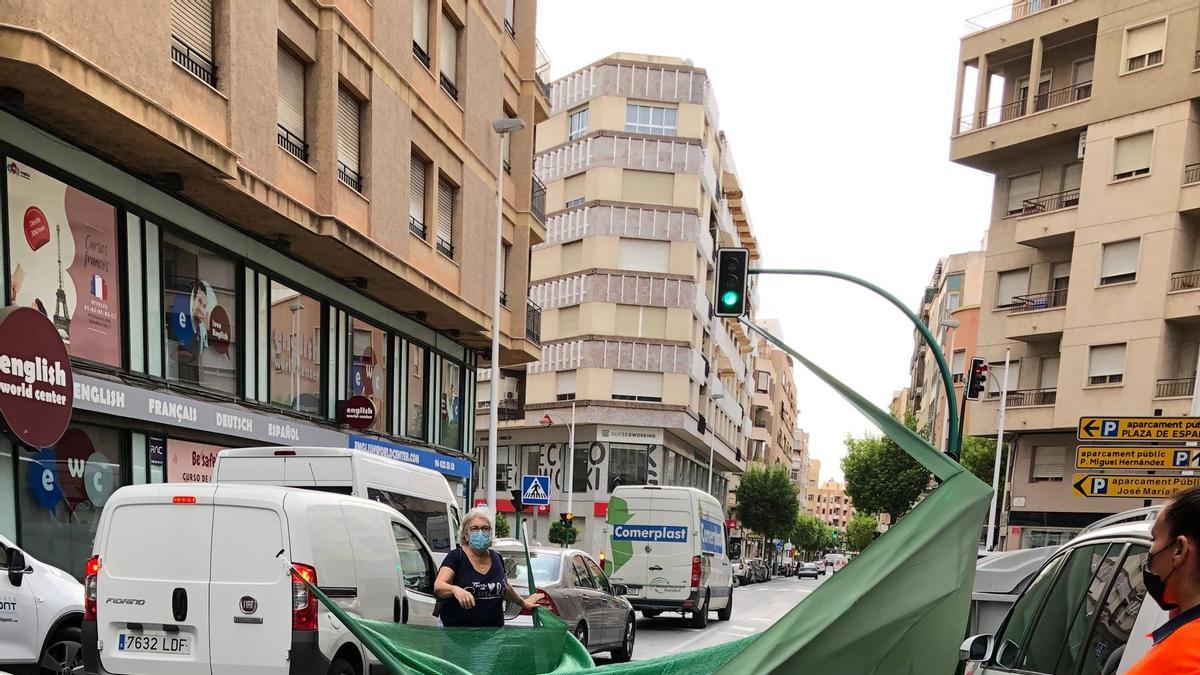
<point x="64" y="261"/>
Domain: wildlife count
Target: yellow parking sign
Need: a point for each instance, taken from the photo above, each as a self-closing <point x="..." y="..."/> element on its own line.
<point x="1135" y="487"/>
<point x="1138" y="429"/>
<point x="1143" y="457"/>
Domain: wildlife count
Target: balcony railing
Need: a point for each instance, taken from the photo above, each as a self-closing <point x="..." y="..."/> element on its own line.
<point x="1010" y="12"/>
<point x="1191" y="174"/>
<point x="193" y="62"/>
<point x="448" y="86"/>
<point x="1061" y="97"/>
<point x="445" y="247"/>
<point x="420" y="54"/>
<point x="1185" y="281"/>
<point x="1036" y="301"/>
<point x="1024" y="398"/>
<point x="1175" y="388"/>
<point x="1048" y="203"/>
<point x="508" y="28"/>
<point x="416" y="227"/>
<point x="541" y="85"/>
<point x="537" y="199"/>
<point x="292" y="143"/>
<point x="533" y="322"/>
<point x="350" y="177"/>
<point x="1015" y="109"/>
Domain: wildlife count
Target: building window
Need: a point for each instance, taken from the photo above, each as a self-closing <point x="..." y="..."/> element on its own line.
<point x="418" y="169"/>
<point x="445" y="218"/>
<point x="349" y="113"/>
<point x="565" y="385"/>
<point x="1011" y="284"/>
<point x="762" y="381"/>
<point x="958" y="365"/>
<point x="578" y="124"/>
<point x="581" y="468"/>
<point x="1106" y="365"/>
<point x="448" y="56"/>
<point x="644" y="255"/>
<point x="628" y="465"/>
<point x="451" y="405"/>
<point x="1132" y="155"/>
<point x="505" y="248"/>
<point x="1048" y="463"/>
<point x="192" y="38"/>
<point x="290" y="132"/>
<point x="635" y="385"/>
<point x="369" y="368"/>
<point x="510" y="17"/>
<point x="416" y="364"/>
<point x="421" y="31"/>
<point x="1119" y="262"/>
<point x="200" y="305"/>
<point x="64" y="261"/>
<point x="1144" y="45"/>
<point x="295" y="329"/>
<point x="1021" y="188"/>
<point x="645" y="119"/>
<point x="996" y="378"/>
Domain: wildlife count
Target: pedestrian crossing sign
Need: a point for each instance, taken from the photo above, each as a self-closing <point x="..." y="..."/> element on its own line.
<point x="535" y="490"/>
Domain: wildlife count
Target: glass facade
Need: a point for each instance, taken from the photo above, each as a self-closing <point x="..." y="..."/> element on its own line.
<point x="369" y="368"/>
<point x="295" y="346"/>
<point x="451" y="405"/>
<point x="200" y="303"/>
<point x="418" y="364"/>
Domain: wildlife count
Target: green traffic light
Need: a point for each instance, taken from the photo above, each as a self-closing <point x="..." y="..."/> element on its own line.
<point x="729" y="298"/>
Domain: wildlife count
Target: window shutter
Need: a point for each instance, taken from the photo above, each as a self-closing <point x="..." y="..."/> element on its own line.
<point x="1119" y="258"/>
<point x="504" y="248"/>
<point x="566" y="382"/>
<point x="445" y="220"/>
<point x="1021" y="188"/>
<point x="996" y="376"/>
<point x="1048" y="378"/>
<point x="1048" y="462"/>
<point x="1072" y="176"/>
<point x="510" y="11"/>
<point x="291" y="93"/>
<point x="637" y="383"/>
<point x="421" y="24"/>
<point x="416" y="189"/>
<point x="644" y="255"/>
<point x="1010" y="284"/>
<point x="448" y="49"/>
<point x="1133" y="153"/>
<point x="1083" y="71"/>
<point x="1107" y="360"/>
<point x="192" y="24"/>
<point x="1145" y="39"/>
<point x="347" y="130"/>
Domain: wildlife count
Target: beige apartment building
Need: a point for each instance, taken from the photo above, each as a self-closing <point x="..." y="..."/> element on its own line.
<point x="274" y="207"/>
<point x="773" y="408"/>
<point x="1090" y="277"/>
<point x="833" y="506"/>
<point x="812" y="486"/>
<point x="641" y="189"/>
<point x="800" y="459"/>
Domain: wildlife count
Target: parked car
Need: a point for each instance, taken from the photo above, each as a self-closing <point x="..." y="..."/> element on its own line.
<point x="41" y="609"/>
<point x="577" y="591"/>
<point x="1083" y="611"/>
<point x="190" y="578"/>
<point x="807" y="570"/>
<point x="756" y="570"/>
<point x="740" y="572"/>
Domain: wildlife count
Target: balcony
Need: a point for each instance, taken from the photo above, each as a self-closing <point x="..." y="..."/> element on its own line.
<point x="1027" y="398"/>
<point x="291" y="143"/>
<point x="537" y="199"/>
<point x="1009" y="13"/>
<point x="1048" y="221"/>
<point x="1035" y="302"/>
<point x="349" y="177"/>
<point x="1017" y="109"/>
<point x="192" y="61"/>
<point x="533" y="322"/>
<point x="1036" y="316"/>
<point x="1191" y="174"/>
<point x="1184" y="281"/>
<point x="1178" y="387"/>
<point x="1181" y="304"/>
<point x="1052" y="202"/>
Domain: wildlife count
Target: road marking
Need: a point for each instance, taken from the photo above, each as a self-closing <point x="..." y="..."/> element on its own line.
<point x="687" y="643"/>
<point x="757" y="618"/>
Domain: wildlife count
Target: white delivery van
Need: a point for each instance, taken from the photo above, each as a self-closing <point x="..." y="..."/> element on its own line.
<point x="41" y="608"/>
<point x="190" y="578"/>
<point x="421" y="494"/>
<point x="667" y="546"/>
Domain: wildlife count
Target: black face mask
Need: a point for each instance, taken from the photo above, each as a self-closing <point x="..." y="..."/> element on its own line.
<point x="1155" y="586"/>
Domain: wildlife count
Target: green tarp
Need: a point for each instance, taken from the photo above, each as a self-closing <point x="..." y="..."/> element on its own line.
<point x="899" y="607"/>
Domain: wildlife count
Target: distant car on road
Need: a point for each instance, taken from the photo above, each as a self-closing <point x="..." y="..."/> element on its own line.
<point x="834" y="561"/>
<point x="577" y="591"/>
<point x="807" y="570"/>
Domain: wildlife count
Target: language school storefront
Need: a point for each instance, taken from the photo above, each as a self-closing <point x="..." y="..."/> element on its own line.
<point x="186" y="336"/>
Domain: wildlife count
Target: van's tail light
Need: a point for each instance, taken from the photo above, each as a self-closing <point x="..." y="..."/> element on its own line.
<point x="91" y="570"/>
<point x="304" y="603"/>
<point x="695" y="571"/>
<point x="546" y="602"/>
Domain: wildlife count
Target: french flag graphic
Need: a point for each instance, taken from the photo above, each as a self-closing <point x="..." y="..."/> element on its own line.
<point x="99" y="287"/>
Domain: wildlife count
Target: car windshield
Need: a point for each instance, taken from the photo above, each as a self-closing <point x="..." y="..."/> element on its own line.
<point x="545" y="567"/>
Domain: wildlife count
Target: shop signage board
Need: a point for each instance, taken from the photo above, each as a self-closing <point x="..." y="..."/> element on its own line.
<point x="1142" y="457"/>
<point x="1165" y="429"/>
<point x="1131" y="486"/>
<point x="357" y="412"/>
<point x="445" y="464"/>
<point x="36" y="384"/>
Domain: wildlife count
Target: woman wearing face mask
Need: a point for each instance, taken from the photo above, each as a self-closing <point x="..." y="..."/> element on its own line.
<point x="1172" y="576"/>
<point x="472" y="583"/>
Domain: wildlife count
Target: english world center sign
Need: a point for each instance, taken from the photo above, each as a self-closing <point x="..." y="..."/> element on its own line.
<point x="37" y="391"/>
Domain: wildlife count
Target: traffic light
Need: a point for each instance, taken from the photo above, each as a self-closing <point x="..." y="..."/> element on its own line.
<point x="976" y="378"/>
<point x="516" y="500"/>
<point x="732" y="264"/>
<point x="568" y="518"/>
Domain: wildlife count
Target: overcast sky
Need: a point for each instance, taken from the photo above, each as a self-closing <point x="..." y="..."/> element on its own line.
<point x="839" y="118"/>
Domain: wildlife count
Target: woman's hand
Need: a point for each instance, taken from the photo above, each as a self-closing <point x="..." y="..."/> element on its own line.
<point x="532" y="601"/>
<point x="465" y="599"/>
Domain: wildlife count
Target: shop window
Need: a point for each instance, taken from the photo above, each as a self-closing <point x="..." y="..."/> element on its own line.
<point x="628" y="465"/>
<point x="417" y="367"/>
<point x="369" y="368"/>
<point x="62" y="491"/>
<point x="295" y="329"/>
<point x="64" y="262"/>
<point x="189" y="462"/>
<point x="451" y="405"/>
<point x="200" y="305"/>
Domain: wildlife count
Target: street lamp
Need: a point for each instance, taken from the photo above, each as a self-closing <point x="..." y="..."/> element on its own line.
<point x="503" y="126"/>
<point x="951" y="325"/>
<point x="569" y="479"/>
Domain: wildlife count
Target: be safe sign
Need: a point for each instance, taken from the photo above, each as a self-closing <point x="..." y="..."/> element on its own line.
<point x="1135" y="487"/>
<point x="1138" y="429"/>
<point x="1113" y="457"/>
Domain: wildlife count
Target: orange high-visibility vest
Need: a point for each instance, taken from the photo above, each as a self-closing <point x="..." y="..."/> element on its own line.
<point x="1176" y="649"/>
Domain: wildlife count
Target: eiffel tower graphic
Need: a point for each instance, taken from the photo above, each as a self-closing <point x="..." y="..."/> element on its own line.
<point x="62" y="316"/>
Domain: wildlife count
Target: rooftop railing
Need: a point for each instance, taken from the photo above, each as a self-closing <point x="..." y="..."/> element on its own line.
<point x="1010" y="12"/>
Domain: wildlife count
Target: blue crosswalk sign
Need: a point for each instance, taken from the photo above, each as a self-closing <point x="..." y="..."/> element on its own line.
<point x="535" y="490"/>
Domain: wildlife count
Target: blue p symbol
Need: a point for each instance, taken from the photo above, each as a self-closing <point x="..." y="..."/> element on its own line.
<point x="1099" y="486"/>
<point x="1108" y="428"/>
<point x="1182" y="458"/>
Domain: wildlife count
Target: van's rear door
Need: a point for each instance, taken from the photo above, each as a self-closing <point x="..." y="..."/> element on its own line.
<point x="626" y="562"/>
<point x="249" y="591"/>
<point x="152" y="589"/>
<point x="669" y="563"/>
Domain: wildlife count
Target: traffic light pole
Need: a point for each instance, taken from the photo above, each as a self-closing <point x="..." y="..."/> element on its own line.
<point x="954" y="446"/>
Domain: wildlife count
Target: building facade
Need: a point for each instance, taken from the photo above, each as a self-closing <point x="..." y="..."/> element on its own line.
<point x="1089" y="281"/>
<point x="800" y="460"/>
<point x="834" y="507"/>
<point x="641" y="189"/>
<point x="228" y="267"/>
<point x="773" y="407"/>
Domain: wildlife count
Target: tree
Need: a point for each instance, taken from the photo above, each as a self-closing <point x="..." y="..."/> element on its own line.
<point x="860" y="532"/>
<point x="979" y="457"/>
<point x="807" y="533"/>
<point x="766" y="502"/>
<point x="501" y="526"/>
<point x="562" y="534"/>
<point x="880" y="476"/>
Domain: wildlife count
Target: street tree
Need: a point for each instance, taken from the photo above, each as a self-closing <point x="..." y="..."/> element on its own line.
<point x="766" y="502"/>
<point x="562" y="533"/>
<point x="860" y="532"/>
<point x="502" y="529"/>
<point x="807" y="533"/>
<point x="880" y="476"/>
<point x="979" y="457"/>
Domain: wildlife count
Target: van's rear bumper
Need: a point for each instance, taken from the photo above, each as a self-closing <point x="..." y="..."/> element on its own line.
<point x="305" y="657"/>
<point x="664" y="605"/>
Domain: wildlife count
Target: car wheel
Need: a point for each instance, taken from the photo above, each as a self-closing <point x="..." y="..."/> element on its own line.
<point x="650" y="613"/>
<point x="737" y="581"/>
<point x="341" y="667"/>
<point x="62" y="653"/>
<point x="581" y="633"/>
<point x="725" y="612"/>
<point x="700" y="616"/>
<point x="625" y="653"/>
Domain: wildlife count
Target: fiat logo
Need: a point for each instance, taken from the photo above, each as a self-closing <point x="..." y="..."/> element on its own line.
<point x="248" y="604"/>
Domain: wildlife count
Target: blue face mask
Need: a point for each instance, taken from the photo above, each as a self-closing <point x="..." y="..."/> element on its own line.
<point x="480" y="541"/>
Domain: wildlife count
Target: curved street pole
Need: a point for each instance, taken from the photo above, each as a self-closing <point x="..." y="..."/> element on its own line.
<point x="953" y="447"/>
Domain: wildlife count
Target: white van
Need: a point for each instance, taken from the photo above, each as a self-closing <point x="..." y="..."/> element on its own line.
<point x="421" y="494"/>
<point x="190" y="578"/>
<point x="667" y="546"/>
<point x="41" y="608"/>
<point x="834" y="562"/>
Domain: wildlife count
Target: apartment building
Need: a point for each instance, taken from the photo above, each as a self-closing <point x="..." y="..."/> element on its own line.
<point x="773" y="408"/>
<point x="898" y="406"/>
<point x="259" y="212"/>
<point x="641" y="189"/>
<point x="833" y="506"/>
<point x="1089" y="278"/>
<point x="950" y="308"/>
<point x="800" y="458"/>
<point x="812" y="486"/>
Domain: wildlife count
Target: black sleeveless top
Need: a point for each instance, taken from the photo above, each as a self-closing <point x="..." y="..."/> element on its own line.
<point x="488" y="590"/>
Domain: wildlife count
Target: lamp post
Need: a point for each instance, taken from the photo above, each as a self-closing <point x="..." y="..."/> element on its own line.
<point x="569" y="478"/>
<point x="503" y="126"/>
<point x="951" y="325"/>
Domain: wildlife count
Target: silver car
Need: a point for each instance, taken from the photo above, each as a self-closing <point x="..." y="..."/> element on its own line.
<point x="577" y="591"/>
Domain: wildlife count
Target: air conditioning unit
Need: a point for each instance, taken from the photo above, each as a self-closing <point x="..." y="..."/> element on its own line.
<point x="509" y="386"/>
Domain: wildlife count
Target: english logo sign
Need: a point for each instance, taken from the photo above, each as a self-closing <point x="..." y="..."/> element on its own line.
<point x="36" y="388"/>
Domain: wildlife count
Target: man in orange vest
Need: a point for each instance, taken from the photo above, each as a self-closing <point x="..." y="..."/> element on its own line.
<point x="1172" y="576"/>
